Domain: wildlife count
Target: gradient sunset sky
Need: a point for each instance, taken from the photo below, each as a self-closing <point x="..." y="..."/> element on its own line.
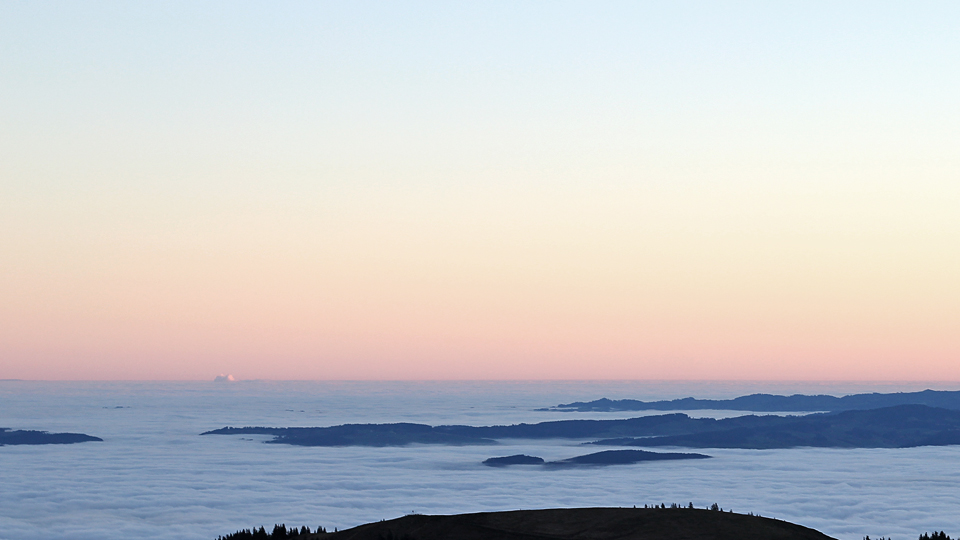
<point x="480" y="190"/>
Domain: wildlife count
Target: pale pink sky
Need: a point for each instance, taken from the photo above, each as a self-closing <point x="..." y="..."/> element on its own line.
<point x="568" y="192"/>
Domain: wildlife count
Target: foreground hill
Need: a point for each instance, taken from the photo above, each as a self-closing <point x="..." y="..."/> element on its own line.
<point x="581" y="524"/>
<point x="773" y="403"/>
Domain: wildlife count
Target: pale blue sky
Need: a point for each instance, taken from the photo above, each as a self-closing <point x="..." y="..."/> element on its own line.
<point x="723" y="182"/>
<point x="454" y="84"/>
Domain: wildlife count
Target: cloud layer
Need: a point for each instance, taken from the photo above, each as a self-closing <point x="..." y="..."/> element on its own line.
<point x="154" y="477"/>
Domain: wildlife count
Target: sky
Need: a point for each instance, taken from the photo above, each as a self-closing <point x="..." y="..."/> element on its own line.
<point x="496" y="190"/>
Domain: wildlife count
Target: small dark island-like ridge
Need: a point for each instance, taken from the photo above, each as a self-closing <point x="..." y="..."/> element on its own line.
<point x="518" y="459"/>
<point x="621" y="457"/>
<point x="607" y="457"/>
<point x="8" y="437"/>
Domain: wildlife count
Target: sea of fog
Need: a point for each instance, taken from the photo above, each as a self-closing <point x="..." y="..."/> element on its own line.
<point x="155" y="477"/>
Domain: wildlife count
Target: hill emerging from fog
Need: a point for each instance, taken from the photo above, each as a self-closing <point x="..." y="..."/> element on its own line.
<point x="596" y="459"/>
<point x="904" y="426"/>
<point x="21" y="436"/>
<point x="773" y="403"/>
<point x="891" y="427"/>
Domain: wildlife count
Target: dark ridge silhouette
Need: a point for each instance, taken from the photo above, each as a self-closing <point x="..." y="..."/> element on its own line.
<point x="773" y="403"/>
<point x="518" y="459"/>
<point x="903" y="426"/>
<point x="580" y="524"/>
<point x="405" y="433"/>
<point x="621" y="457"/>
<point x="892" y="427"/>
<point x="607" y="457"/>
<point x="359" y="435"/>
<point x="42" y="437"/>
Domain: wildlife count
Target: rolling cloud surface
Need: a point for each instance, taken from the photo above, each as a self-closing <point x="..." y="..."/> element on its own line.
<point x="153" y="476"/>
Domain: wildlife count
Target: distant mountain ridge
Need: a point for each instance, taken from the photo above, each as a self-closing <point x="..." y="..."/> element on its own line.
<point x="890" y="427"/>
<point x="944" y="399"/>
<point x="400" y="434"/>
<point x="903" y="426"/>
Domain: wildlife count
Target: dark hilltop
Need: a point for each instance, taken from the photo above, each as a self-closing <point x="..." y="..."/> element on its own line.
<point x="674" y="523"/>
